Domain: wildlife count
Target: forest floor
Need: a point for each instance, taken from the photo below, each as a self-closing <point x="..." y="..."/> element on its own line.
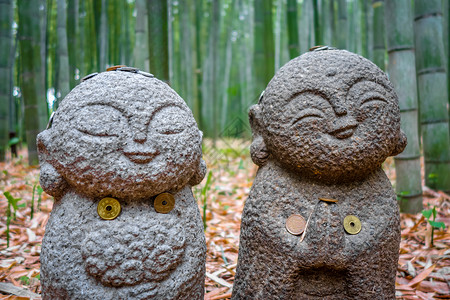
<point x="423" y="269"/>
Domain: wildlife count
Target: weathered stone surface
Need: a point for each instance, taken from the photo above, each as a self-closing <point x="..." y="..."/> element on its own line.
<point x="130" y="137"/>
<point x="326" y="122"/>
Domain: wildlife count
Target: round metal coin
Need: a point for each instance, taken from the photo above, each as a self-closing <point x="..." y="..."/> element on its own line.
<point x="352" y="224"/>
<point x="128" y="69"/>
<point x="295" y="224"/>
<point x="108" y="208"/>
<point x="89" y="76"/>
<point x="113" y="68"/>
<point x="164" y="203"/>
<point x="146" y="74"/>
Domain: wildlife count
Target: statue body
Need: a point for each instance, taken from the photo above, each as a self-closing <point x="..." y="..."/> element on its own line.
<point x="326" y="122"/>
<point x="131" y="141"/>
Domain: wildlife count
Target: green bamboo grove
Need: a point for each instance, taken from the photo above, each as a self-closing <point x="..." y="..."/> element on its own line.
<point x="402" y="71"/>
<point x="220" y="54"/>
<point x="433" y="92"/>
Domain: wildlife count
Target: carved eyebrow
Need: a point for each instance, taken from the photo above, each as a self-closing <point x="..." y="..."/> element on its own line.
<point x="313" y="92"/>
<point x="362" y="79"/>
<point x="116" y="107"/>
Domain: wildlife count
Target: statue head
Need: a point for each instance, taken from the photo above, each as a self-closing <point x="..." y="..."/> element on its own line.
<point x="121" y="134"/>
<point x="329" y="115"/>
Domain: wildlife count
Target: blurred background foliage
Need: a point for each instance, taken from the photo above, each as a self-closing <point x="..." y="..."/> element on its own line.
<point x="220" y="54"/>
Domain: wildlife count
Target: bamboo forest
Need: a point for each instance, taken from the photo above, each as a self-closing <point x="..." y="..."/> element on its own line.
<point x="219" y="55"/>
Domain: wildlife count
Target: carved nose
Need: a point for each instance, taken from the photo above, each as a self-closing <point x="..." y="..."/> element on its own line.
<point x="141" y="149"/>
<point x="344" y="129"/>
<point x="140" y="137"/>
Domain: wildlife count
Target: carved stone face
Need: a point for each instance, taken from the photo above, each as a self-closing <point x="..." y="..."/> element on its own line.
<point x="331" y="115"/>
<point x="124" y="135"/>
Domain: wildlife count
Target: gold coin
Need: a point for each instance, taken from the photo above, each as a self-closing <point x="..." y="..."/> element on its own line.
<point x="352" y="224"/>
<point x="164" y="203"/>
<point x="113" y="68"/>
<point x="295" y="224"/>
<point x="108" y="208"/>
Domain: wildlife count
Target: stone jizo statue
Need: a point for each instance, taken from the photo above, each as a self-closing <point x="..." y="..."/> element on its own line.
<point x="120" y="158"/>
<point x="321" y="220"/>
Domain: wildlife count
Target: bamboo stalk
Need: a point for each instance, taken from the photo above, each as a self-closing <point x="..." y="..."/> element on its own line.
<point x="353" y="27"/>
<point x="342" y="25"/>
<point x="402" y="73"/>
<point x="228" y="115"/>
<point x="245" y="48"/>
<point x="43" y="108"/>
<point x="236" y="86"/>
<point x="277" y="33"/>
<point x="364" y="36"/>
<point x="63" y="56"/>
<point x="81" y="40"/>
<point x="214" y="60"/>
<point x="72" y="34"/>
<point x="141" y="32"/>
<point x="306" y="26"/>
<point x="91" y="36"/>
<point x="29" y="43"/>
<point x="6" y="65"/>
<point x="103" y="36"/>
<point x="158" y="38"/>
<point x="446" y="24"/>
<point x="199" y="51"/>
<point x="264" y="62"/>
<point x="316" y="21"/>
<point x="379" y="40"/>
<point x="188" y="56"/>
<point x="326" y="22"/>
<point x="294" y="49"/>
<point x="432" y="83"/>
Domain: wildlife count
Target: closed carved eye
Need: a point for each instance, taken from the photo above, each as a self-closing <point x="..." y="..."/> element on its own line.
<point x="100" y="120"/>
<point x="308" y="114"/>
<point x="373" y="99"/>
<point x="169" y="120"/>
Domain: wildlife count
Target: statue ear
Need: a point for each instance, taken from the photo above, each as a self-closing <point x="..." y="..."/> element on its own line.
<point x="258" y="150"/>
<point x="401" y="144"/>
<point x="51" y="181"/>
<point x="199" y="174"/>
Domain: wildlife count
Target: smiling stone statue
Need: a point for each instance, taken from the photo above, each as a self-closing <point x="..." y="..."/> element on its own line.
<point x="120" y="158"/>
<point x="321" y="220"/>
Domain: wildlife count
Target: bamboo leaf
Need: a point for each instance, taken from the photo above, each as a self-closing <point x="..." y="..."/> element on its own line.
<point x="13" y="141"/>
<point x="437" y="224"/>
<point x="427" y="213"/>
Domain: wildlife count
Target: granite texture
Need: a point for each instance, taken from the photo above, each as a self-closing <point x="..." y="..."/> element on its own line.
<point x="130" y="137"/>
<point x="326" y="122"/>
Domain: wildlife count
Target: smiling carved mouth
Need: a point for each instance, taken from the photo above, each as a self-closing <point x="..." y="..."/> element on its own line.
<point x="141" y="157"/>
<point x="344" y="132"/>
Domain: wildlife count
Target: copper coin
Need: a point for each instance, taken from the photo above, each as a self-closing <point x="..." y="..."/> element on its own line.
<point x="295" y="224"/>
<point x="113" y="68"/>
<point x="164" y="203"/>
<point x="316" y="47"/>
